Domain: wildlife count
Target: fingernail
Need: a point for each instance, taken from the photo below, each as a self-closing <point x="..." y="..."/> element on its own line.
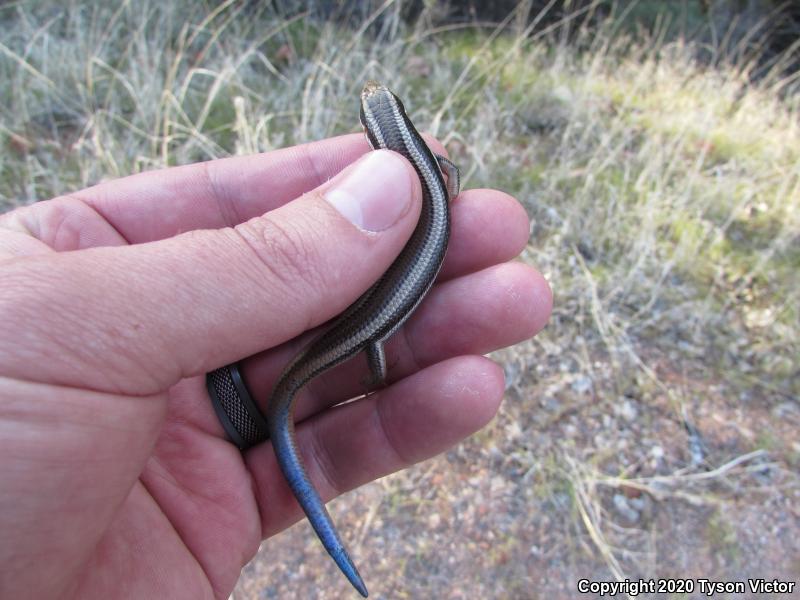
<point x="374" y="192"/>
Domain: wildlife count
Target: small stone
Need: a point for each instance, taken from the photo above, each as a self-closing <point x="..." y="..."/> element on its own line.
<point x="625" y="509"/>
<point x="638" y="503"/>
<point x="582" y="384"/>
<point x="626" y="409"/>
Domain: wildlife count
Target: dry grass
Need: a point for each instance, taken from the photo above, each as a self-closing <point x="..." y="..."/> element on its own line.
<point x="651" y="429"/>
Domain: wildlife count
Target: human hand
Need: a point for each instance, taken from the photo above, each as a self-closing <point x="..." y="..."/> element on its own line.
<point x="116" y="475"/>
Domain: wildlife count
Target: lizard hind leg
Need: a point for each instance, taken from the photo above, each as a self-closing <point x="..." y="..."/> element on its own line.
<point x="452" y="173"/>
<point x="376" y="361"/>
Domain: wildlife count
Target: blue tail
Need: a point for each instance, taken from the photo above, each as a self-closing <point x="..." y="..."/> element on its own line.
<point x="282" y="436"/>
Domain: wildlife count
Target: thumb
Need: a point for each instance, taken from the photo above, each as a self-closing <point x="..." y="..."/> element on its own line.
<point x="136" y="319"/>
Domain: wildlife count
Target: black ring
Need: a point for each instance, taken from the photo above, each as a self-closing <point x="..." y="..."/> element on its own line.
<point x="235" y="408"/>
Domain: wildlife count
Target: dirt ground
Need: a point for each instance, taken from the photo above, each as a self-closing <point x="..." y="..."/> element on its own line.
<point x="571" y="481"/>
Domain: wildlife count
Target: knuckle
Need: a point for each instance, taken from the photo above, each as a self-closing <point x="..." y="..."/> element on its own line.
<point x="220" y="193"/>
<point x="287" y="253"/>
<point x="324" y="465"/>
<point x="390" y="444"/>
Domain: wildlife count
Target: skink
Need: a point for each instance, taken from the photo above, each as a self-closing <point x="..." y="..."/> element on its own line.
<point x="377" y="314"/>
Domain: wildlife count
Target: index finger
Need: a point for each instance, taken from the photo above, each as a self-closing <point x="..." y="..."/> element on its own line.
<point x="220" y="193"/>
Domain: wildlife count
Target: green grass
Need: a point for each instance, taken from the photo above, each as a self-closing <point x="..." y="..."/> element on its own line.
<point x="664" y="195"/>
